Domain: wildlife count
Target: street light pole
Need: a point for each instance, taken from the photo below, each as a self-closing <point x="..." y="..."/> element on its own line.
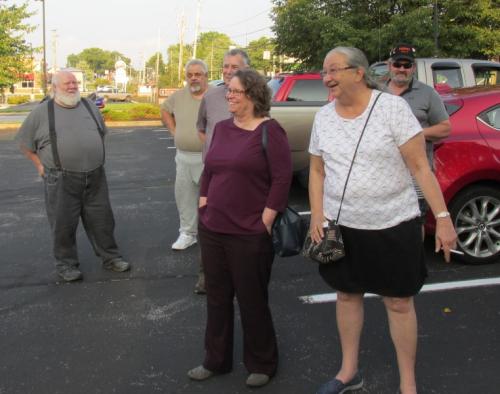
<point x="44" y="65"/>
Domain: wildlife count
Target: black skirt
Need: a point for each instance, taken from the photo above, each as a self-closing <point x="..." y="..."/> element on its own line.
<point x="388" y="262"/>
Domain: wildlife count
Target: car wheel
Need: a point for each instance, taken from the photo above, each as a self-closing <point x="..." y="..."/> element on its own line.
<point x="476" y="217"/>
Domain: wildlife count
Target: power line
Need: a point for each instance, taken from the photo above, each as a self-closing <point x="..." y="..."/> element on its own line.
<point x="237" y="23"/>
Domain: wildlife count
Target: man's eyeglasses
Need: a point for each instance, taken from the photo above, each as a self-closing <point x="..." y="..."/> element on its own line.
<point x="406" y="66"/>
<point x="235" y="92"/>
<point x="195" y="75"/>
<point x="334" y="71"/>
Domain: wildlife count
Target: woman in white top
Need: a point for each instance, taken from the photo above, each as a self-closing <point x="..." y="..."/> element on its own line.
<point x="379" y="214"/>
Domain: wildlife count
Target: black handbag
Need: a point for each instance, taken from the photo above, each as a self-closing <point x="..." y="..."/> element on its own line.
<point x="289" y="229"/>
<point x="331" y="247"/>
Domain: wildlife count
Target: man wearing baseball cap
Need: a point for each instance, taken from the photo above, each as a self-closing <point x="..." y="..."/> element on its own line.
<point x="424" y="102"/>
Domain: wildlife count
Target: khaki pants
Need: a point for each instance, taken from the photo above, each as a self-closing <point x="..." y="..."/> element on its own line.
<point x="189" y="167"/>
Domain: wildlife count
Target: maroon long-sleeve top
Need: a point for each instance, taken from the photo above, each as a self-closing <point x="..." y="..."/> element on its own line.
<point x="239" y="182"/>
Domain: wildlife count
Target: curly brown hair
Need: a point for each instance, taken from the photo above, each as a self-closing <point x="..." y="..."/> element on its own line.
<point x="256" y="89"/>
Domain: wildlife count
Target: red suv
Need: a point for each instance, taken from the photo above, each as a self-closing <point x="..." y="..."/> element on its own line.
<point x="299" y="87"/>
<point x="467" y="166"/>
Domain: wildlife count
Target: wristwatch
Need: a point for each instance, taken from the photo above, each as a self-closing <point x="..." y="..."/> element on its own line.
<point x="442" y="215"/>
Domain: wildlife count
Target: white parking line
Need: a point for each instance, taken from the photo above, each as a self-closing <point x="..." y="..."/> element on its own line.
<point x="170" y="147"/>
<point x="160" y="130"/>
<point x="332" y="297"/>
<point x="166" y="138"/>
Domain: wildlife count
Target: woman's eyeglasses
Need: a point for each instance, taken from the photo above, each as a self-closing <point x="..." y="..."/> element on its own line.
<point x="406" y="66"/>
<point x="235" y="92"/>
<point x="333" y="71"/>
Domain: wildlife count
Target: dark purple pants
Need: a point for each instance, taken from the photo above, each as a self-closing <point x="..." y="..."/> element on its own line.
<point x="238" y="265"/>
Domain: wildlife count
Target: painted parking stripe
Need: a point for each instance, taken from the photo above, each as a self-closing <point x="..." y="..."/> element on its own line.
<point x="160" y="130"/>
<point x="170" y="147"/>
<point x="332" y="297"/>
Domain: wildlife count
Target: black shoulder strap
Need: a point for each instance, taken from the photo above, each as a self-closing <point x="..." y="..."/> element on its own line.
<point x="87" y="106"/>
<point x="354" y="156"/>
<point x="264" y="139"/>
<point x="52" y="134"/>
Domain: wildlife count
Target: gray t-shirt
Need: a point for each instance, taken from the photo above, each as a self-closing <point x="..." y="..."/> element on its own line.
<point x="79" y="143"/>
<point x="429" y="110"/>
<point x="213" y="109"/>
<point x="427" y="107"/>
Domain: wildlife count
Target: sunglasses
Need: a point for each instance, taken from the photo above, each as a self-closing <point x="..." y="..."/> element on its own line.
<point x="406" y="66"/>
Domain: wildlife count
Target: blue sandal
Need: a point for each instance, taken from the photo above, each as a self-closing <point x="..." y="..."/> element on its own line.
<point x="336" y="386"/>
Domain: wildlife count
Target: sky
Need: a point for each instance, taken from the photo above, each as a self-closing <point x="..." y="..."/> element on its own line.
<point x="134" y="27"/>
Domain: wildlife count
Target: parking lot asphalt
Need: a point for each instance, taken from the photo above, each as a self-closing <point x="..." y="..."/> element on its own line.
<point x="139" y="332"/>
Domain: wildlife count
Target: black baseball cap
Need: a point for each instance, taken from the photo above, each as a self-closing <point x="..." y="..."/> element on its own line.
<point x="403" y="52"/>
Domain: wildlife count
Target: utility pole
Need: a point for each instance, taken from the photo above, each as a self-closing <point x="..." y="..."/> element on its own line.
<point x="212" y="61"/>
<point x="44" y="61"/>
<point x="181" y="47"/>
<point x="436" y="29"/>
<point x="54" y="50"/>
<point x="158" y="69"/>
<point x="196" y="28"/>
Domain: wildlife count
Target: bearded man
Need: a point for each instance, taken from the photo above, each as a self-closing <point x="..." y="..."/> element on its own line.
<point x="179" y="113"/>
<point x="425" y="104"/>
<point x="64" y="138"/>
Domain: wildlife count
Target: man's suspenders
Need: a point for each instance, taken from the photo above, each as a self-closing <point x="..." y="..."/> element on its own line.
<point x="53" y="135"/>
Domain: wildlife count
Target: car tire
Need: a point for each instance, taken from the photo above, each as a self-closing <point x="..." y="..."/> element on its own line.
<point x="476" y="216"/>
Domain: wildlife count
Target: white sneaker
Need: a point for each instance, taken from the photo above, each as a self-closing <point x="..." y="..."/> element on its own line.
<point x="184" y="241"/>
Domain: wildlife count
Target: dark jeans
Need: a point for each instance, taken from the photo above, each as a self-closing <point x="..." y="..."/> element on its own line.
<point x="70" y="196"/>
<point x="238" y="265"/>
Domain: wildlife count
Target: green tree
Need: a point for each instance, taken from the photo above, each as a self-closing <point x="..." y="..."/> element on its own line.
<point x="307" y="29"/>
<point x="98" y="59"/>
<point x="14" y="52"/>
<point x="256" y="49"/>
<point x="170" y="77"/>
<point x="211" y="48"/>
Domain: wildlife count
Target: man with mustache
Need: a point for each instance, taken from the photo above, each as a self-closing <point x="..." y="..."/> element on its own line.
<point x="179" y="113"/>
<point x="64" y="138"/>
<point x="424" y="102"/>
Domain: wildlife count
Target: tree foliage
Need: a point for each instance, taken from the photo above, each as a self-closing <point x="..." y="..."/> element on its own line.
<point x="211" y="48"/>
<point x="256" y="49"/>
<point x="97" y="59"/>
<point x="14" y="51"/>
<point x="307" y="29"/>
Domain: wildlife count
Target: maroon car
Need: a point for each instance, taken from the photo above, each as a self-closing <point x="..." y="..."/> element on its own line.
<point x="467" y="166"/>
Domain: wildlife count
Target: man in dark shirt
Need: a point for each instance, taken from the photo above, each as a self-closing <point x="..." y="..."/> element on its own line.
<point x="64" y="138"/>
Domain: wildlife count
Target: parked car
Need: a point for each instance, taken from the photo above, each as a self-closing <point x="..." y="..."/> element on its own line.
<point x="296" y="99"/>
<point x="113" y="94"/>
<point x="299" y="87"/>
<point x="446" y="74"/>
<point x="467" y="166"/>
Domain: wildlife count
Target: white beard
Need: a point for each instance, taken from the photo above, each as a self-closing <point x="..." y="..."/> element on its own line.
<point x="68" y="100"/>
<point x="194" y="88"/>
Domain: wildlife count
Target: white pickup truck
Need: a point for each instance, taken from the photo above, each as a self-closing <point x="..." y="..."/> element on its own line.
<point x="297" y="97"/>
<point x="451" y="73"/>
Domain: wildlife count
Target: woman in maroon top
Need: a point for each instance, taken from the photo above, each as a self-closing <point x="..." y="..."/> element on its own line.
<point x="240" y="196"/>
